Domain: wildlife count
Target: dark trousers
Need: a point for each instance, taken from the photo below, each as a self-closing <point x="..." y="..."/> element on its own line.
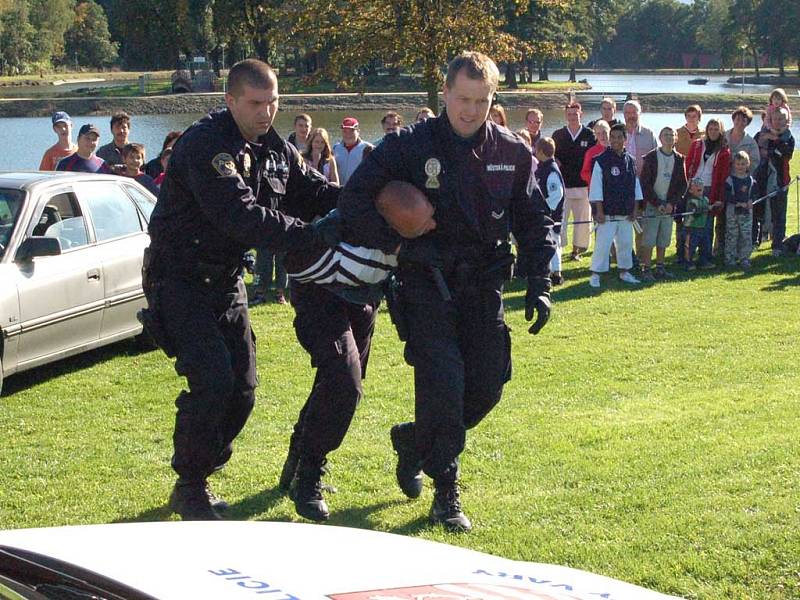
<point x="265" y="261"/>
<point x="209" y="329"/>
<point x="778" y="209"/>
<point x="461" y="354"/>
<point x="694" y="239"/>
<point x="337" y="335"/>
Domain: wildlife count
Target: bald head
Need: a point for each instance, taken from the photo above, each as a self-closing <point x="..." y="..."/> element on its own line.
<point x="406" y="209"/>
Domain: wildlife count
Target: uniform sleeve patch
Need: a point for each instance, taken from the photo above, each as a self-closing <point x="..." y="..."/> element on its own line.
<point x="224" y="165"/>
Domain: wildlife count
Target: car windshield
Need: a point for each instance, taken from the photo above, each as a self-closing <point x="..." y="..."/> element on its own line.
<point x="10" y="205"/>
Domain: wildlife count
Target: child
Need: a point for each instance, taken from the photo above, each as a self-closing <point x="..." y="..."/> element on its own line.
<point x="164" y="160"/>
<point x="614" y="192"/>
<point x="357" y="273"/>
<point x="133" y="155"/>
<point x="777" y="100"/>
<point x="663" y="182"/>
<point x="780" y="148"/>
<point x="551" y="182"/>
<point x="695" y="224"/>
<point x="740" y="190"/>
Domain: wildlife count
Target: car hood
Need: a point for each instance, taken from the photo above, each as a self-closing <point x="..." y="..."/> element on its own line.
<point x="290" y="561"/>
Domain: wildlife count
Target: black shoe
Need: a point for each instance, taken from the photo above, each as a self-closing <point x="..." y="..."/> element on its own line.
<point x="556" y="278"/>
<point x="190" y="500"/>
<point x="409" y="475"/>
<point x="446" y="508"/>
<point x="289" y="467"/>
<point x="307" y="491"/>
<point x="216" y="502"/>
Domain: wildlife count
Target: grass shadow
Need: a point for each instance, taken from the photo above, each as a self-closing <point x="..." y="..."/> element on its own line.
<point x="254" y="505"/>
<point x="73" y="364"/>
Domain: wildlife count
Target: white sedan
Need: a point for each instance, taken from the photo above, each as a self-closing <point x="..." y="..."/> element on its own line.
<point x="280" y="561"/>
<point x="71" y="249"/>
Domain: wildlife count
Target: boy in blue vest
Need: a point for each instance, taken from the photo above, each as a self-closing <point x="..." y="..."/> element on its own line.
<point x="551" y="182"/>
<point x="740" y="189"/>
<point x="614" y="192"/>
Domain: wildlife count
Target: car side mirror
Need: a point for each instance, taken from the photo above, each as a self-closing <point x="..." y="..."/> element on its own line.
<point x="37" y="246"/>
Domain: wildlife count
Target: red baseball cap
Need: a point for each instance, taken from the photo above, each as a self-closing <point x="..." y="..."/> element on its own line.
<point x="350" y="123"/>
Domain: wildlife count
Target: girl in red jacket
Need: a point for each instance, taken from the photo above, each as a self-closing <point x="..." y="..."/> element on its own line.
<point x="709" y="159"/>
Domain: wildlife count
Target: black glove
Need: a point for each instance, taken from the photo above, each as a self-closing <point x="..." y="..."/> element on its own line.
<point x="537" y="298"/>
<point x="328" y="229"/>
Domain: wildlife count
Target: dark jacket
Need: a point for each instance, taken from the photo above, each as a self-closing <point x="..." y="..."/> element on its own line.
<point x="619" y="182"/>
<point x="221" y="193"/>
<point x="569" y="154"/>
<point x="481" y="188"/>
<point x="677" y="183"/>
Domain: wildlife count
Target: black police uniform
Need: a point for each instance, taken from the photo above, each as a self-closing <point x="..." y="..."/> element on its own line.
<point x="214" y="206"/>
<point x="337" y="334"/>
<point x="451" y="279"/>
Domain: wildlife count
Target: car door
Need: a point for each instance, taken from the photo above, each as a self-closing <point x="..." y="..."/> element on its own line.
<point x="60" y="297"/>
<point x="121" y="237"/>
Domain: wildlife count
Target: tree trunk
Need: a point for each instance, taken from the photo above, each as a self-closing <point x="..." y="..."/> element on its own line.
<point x="544" y="75"/>
<point x="511" y="75"/>
<point x="781" y="64"/>
<point x="755" y="62"/>
<point x="572" y="77"/>
<point x="433" y="96"/>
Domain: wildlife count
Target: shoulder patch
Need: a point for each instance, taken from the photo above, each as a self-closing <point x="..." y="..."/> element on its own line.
<point x="224" y="164"/>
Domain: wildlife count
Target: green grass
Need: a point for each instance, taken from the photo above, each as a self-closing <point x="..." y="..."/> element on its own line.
<point x="648" y="434"/>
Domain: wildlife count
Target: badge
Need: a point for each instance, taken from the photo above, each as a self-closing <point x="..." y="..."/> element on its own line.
<point x="224" y="165"/>
<point x="432" y="169"/>
<point x="615" y="171"/>
<point x="246" y="162"/>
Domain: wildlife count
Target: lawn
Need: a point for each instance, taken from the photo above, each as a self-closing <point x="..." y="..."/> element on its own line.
<point x="649" y="434"/>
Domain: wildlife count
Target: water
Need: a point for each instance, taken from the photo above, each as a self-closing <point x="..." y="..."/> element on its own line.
<point x="24" y="140"/>
<point x="644" y="83"/>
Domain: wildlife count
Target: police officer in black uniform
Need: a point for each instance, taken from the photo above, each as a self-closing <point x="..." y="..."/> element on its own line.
<point x="448" y="302"/>
<point x="225" y="172"/>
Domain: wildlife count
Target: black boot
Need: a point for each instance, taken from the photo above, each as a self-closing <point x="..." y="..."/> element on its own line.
<point x="307" y="491"/>
<point x="216" y="502"/>
<point x="192" y="501"/>
<point x="446" y="508"/>
<point x="408" y="472"/>
<point x="289" y="466"/>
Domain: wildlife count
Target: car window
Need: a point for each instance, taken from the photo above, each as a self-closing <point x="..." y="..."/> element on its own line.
<point x="145" y="203"/>
<point x="10" y="203"/>
<point x="60" y="217"/>
<point x="112" y="212"/>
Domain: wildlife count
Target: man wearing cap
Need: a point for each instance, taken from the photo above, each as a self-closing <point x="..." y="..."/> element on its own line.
<point x="84" y="159"/>
<point x="351" y="150"/>
<point x="62" y="125"/>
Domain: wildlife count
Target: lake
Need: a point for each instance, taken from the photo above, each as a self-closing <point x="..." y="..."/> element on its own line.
<point x="24" y="140"/>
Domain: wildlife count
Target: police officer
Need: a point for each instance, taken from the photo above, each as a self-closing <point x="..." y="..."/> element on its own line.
<point x="478" y="177"/>
<point x="225" y="172"/>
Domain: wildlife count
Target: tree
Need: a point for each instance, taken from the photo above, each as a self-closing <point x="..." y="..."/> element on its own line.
<point x="88" y="38"/>
<point x="777" y="26"/>
<point x="16" y="35"/>
<point x="416" y="35"/>
<point x="711" y="16"/>
<point x="741" y="30"/>
<point x="50" y="19"/>
<point x="152" y="32"/>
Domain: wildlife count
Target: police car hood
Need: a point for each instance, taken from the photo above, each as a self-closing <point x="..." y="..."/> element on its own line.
<point x="285" y="561"/>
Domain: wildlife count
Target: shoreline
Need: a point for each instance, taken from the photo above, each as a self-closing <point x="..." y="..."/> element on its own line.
<point x="201" y="103"/>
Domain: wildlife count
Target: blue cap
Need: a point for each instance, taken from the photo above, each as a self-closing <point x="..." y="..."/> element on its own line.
<point x="61" y="117"/>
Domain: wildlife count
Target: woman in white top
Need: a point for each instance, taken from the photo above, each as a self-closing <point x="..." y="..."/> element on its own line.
<point x="319" y="155"/>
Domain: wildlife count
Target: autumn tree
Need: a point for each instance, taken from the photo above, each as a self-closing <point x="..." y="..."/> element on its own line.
<point x="88" y="38"/>
<point x="415" y="35"/>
